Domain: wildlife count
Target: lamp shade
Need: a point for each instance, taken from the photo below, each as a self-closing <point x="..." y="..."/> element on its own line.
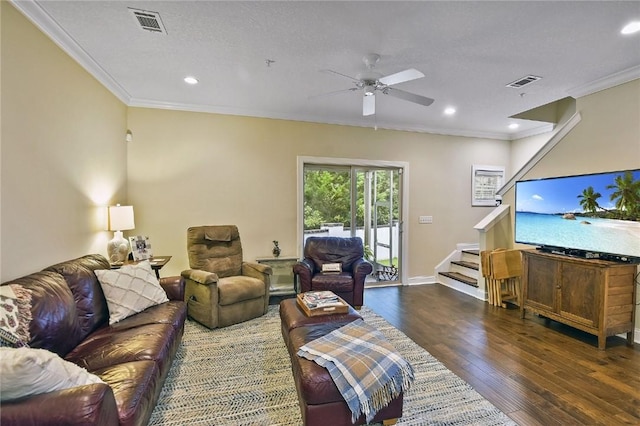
<point x="121" y="218"/>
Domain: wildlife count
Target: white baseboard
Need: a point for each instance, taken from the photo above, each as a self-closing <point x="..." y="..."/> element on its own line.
<point x="467" y="246"/>
<point x="422" y="280"/>
<point x="636" y="336"/>
<point x="463" y="288"/>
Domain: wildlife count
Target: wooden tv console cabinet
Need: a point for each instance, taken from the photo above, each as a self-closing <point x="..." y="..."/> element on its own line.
<point x="592" y="295"/>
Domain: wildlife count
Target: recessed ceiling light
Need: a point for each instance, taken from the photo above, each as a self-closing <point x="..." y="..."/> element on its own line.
<point x="191" y="80"/>
<point x="449" y="111"/>
<point x="514" y="126"/>
<point x="631" y="27"/>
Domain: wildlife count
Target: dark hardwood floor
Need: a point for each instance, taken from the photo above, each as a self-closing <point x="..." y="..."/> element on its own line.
<point x="537" y="371"/>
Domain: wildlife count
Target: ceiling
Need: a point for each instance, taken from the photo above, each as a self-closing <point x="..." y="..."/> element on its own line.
<point x="265" y="58"/>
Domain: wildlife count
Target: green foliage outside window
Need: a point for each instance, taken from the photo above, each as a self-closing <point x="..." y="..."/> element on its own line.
<point x="327" y="198"/>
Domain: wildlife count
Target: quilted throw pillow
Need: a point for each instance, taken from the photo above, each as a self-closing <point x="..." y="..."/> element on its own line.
<point x="28" y="371"/>
<point x="130" y="289"/>
<point x="15" y="315"/>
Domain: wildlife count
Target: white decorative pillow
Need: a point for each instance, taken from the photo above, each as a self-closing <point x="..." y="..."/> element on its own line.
<point x="28" y="371"/>
<point x="130" y="289"/>
<point x="15" y="315"/>
<point x="332" y="268"/>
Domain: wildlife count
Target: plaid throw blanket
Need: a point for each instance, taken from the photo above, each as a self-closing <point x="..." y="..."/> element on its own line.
<point x="365" y="367"/>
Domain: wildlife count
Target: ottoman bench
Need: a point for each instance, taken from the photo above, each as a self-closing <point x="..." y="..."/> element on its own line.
<point x="321" y="403"/>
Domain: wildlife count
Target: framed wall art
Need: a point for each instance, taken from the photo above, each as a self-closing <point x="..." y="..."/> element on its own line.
<point x="141" y="247"/>
<point x="485" y="183"/>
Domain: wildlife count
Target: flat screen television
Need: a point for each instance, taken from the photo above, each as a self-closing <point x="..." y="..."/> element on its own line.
<point x="592" y="216"/>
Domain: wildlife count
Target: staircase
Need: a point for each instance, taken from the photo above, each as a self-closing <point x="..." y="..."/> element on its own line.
<point x="461" y="270"/>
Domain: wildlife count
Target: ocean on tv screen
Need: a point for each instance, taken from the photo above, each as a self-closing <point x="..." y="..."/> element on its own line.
<point x="597" y="212"/>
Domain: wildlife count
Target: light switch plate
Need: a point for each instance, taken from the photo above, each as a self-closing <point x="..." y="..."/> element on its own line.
<point x="426" y="219"/>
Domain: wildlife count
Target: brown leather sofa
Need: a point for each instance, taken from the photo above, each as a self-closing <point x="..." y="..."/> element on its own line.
<point x="349" y="253"/>
<point x="70" y="317"/>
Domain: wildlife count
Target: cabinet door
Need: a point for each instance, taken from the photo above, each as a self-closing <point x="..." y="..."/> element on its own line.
<point x="542" y="281"/>
<point x="581" y="293"/>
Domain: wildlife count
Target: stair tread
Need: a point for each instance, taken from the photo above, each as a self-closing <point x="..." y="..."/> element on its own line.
<point x="461" y="277"/>
<point x="466" y="264"/>
<point x="475" y="252"/>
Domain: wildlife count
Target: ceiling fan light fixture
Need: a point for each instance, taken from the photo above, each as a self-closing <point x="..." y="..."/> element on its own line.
<point x="368" y="90"/>
<point x="372" y="81"/>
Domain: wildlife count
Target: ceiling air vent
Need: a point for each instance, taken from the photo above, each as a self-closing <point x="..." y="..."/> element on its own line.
<point x="523" y="81"/>
<point x="149" y="21"/>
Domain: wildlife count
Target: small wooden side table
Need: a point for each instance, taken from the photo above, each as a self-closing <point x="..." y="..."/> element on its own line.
<point x="157" y="262"/>
<point x="283" y="282"/>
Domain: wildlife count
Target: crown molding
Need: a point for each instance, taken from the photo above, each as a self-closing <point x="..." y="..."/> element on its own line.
<point x="560" y="132"/>
<point x="544" y="128"/>
<point x="146" y="103"/>
<point x="41" y="19"/>
<point x="607" y="82"/>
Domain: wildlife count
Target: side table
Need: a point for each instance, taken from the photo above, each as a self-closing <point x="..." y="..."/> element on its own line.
<point x="157" y="262"/>
<point x="283" y="282"/>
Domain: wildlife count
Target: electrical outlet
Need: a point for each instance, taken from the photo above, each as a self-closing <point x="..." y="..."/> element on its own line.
<point x="426" y="219"/>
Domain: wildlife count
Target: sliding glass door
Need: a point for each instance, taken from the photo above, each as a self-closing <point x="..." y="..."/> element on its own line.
<point x="350" y="200"/>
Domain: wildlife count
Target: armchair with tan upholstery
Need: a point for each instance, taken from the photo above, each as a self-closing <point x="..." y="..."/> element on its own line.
<point x="349" y="253"/>
<point x="222" y="289"/>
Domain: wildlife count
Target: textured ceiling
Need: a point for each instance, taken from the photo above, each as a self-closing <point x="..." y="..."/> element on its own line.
<point x="468" y="52"/>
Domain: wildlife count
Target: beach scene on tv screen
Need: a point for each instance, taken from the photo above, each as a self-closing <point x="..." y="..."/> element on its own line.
<point x="599" y="212"/>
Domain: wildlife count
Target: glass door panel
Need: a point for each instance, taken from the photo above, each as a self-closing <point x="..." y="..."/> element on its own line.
<point x="379" y="201"/>
<point x="335" y="197"/>
<point x="327" y="201"/>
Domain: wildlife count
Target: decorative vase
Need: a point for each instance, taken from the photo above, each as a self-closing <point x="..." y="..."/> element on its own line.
<point x="276" y="249"/>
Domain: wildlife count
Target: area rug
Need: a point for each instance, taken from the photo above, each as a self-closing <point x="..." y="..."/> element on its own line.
<point x="241" y="375"/>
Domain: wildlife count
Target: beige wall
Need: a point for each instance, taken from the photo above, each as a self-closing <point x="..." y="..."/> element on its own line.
<point x="606" y="139"/>
<point x="188" y="169"/>
<point x="523" y="149"/>
<point x="63" y="152"/>
<point x="63" y="158"/>
<point x="0" y="140"/>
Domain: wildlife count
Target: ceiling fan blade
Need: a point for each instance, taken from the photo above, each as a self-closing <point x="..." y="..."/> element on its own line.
<point x="411" y="97"/>
<point x="355" y="80"/>
<point x="368" y="105"/>
<point x="401" y="77"/>
<point x="336" y="92"/>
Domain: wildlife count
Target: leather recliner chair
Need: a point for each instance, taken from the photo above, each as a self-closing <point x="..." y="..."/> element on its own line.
<point x="222" y="289"/>
<point x="349" y="253"/>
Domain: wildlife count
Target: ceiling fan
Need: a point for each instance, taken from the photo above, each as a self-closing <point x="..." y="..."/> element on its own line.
<point x="371" y="82"/>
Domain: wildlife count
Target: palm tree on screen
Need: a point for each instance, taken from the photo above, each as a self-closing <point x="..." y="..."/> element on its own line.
<point x="589" y="200"/>
<point x="626" y="196"/>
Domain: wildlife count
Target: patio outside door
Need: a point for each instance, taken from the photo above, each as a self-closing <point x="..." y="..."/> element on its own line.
<point x="346" y="201"/>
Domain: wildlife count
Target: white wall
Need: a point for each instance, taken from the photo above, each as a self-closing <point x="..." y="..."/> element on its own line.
<point x="63" y="152"/>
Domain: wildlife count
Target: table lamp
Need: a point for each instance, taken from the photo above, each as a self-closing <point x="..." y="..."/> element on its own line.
<point x="120" y="219"/>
